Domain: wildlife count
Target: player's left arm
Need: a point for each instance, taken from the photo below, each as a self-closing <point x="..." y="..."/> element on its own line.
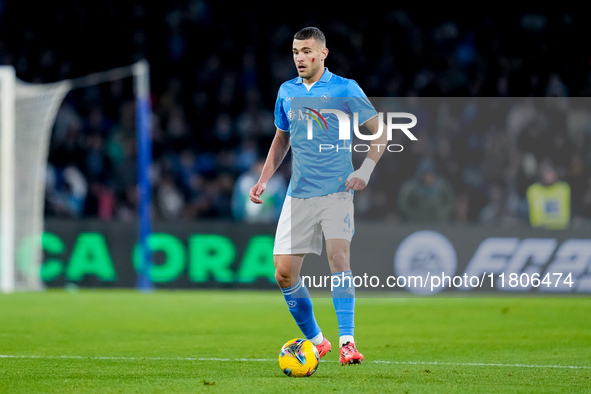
<point x="358" y="180"/>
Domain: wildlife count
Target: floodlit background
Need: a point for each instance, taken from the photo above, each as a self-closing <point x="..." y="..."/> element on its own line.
<point x="459" y="201"/>
<point x="215" y="73"/>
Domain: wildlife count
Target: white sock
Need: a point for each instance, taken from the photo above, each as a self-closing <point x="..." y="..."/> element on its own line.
<point x="317" y="340"/>
<point x="344" y="339"/>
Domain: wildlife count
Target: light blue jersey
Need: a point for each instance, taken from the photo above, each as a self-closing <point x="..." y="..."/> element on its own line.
<point x="318" y="170"/>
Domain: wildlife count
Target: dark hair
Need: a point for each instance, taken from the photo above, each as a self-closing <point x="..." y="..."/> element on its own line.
<point x="311" y="32"/>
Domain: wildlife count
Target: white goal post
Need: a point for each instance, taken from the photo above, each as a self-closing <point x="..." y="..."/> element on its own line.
<point x="27" y="115"/>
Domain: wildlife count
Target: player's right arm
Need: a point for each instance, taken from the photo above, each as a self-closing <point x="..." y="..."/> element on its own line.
<point x="277" y="152"/>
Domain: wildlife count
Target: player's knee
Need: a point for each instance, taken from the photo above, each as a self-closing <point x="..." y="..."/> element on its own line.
<point x="283" y="278"/>
<point x="340" y="261"/>
<point x="282" y="272"/>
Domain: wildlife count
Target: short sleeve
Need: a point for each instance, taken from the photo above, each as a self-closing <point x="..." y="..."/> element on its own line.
<point x="281" y="121"/>
<point x="358" y="102"/>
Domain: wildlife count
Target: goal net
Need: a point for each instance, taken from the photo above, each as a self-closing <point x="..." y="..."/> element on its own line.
<point x="27" y="115"/>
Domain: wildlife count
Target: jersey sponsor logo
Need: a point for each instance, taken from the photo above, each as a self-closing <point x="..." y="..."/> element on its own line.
<point x="291" y="115"/>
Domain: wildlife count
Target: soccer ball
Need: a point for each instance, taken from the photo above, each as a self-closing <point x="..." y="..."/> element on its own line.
<point x="298" y="357"/>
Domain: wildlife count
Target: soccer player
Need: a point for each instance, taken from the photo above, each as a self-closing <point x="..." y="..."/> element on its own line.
<point x="320" y="195"/>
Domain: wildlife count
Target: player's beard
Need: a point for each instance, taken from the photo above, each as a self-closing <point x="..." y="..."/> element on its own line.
<point x="310" y="71"/>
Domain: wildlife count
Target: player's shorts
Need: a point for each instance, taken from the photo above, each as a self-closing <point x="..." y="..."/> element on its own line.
<point x="303" y="221"/>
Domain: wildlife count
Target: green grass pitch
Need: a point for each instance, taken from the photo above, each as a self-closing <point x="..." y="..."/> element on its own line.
<point x="123" y="341"/>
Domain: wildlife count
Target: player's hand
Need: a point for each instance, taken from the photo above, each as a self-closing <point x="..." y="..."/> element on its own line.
<point x="357" y="180"/>
<point x="256" y="191"/>
<point x="355" y="183"/>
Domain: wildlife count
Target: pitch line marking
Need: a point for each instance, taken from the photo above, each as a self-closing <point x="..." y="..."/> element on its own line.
<point x="123" y="358"/>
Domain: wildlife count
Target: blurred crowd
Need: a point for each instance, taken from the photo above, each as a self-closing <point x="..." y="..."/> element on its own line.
<point x="215" y="78"/>
<point x="476" y="159"/>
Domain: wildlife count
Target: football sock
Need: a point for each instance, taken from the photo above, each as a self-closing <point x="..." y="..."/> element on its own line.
<point x="345" y="339"/>
<point x="299" y="303"/>
<point x="317" y="340"/>
<point x="343" y="298"/>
